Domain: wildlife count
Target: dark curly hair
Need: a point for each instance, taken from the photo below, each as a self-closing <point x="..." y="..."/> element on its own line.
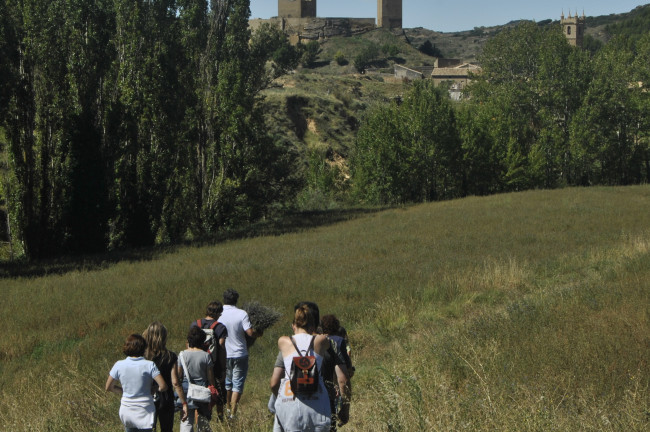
<point x="330" y="325"/>
<point x="196" y="337"/>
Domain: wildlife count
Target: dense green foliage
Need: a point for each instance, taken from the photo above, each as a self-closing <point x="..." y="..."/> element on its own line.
<point x="409" y="152"/>
<point x="130" y="123"/>
<point x="541" y="114"/>
<point x="133" y="123"/>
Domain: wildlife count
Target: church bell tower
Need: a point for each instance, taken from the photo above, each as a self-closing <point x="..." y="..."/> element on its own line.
<point x="574" y="28"/>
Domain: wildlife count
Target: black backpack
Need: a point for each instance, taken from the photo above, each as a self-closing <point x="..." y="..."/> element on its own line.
<point x="304" y="371"/>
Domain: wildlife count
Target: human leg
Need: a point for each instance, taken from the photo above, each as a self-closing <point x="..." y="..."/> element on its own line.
<point x="166" y="419"/>
<point x="228" y="382"/>
<point x="239" y="374"/>
<point x="234" y="401"/>
<point x="203" y="424"/>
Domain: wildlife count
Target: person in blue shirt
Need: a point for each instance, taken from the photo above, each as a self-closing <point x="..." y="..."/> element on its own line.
<point x="136" y="376"/>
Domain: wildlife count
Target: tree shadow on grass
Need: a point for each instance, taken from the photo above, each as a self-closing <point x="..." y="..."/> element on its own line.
<point x="289" y="223"/>
<point x="319" y="64"/>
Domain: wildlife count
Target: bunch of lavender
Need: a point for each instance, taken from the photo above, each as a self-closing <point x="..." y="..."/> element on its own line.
<point x="260" y="316"/>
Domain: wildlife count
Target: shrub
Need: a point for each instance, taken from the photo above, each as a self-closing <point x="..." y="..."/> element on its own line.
<point x="365" y="57"/>
<point x="310" y="53"/>
<point x="390" y="50"/>
<point x="340" y="59"/>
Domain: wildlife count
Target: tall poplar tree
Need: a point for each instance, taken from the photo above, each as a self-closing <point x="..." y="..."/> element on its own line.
<point x="88" y="28"/>
<point x="48" y="122"/>
<point x="606" y="129"/>
<point x="240" y="170"/>
<point x="143" y="122"/>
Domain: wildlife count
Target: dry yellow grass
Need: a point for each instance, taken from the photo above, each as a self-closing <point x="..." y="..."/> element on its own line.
<point x="515" y="312"/>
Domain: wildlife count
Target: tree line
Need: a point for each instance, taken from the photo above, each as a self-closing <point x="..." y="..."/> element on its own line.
<point x="134" y="122"/>
<point x="129" y="123"/>
<point x="541" y="114"/>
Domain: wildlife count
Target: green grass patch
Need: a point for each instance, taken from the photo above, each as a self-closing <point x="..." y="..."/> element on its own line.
<point x="524" y="311"/>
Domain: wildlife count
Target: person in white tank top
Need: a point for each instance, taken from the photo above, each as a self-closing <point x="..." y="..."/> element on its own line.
<point x="300" y="413"/>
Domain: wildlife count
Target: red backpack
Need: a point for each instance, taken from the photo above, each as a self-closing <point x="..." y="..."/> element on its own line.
<point x="304" y="371"/>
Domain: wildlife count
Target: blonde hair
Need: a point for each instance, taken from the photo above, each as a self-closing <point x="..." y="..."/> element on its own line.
<point x="304" y="318"/>
<point x="156" y="337"/>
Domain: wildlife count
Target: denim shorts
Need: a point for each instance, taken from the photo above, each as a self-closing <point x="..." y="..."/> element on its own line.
<point x="236" y="371"/>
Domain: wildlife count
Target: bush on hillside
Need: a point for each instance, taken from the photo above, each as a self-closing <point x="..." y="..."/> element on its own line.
<point x="390" y="50"/>
<point x="340" y="59"/>
<point x="367" y="55"/>
<point x="310" y="54"/>
<point x="430" y="49"/>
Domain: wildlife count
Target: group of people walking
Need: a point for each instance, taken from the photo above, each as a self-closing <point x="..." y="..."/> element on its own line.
<point x="155" y="382"/>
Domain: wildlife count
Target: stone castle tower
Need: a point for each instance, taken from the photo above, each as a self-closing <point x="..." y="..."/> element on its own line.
<point x="389" y="13"/>
<point x="574" y="28"/>
<point x="297" y="8"/>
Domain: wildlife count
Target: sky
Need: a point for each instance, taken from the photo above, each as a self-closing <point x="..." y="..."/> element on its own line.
<point x="459" y="15"/>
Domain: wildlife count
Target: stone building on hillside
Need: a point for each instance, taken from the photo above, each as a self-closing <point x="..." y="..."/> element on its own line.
<point x="410" y="73"/>
<point x="459" y="74"/>
<point x="574" y="28"/>
<point x="452" y="72"/>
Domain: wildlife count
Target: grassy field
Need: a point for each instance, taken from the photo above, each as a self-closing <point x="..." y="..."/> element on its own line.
<point x="517" y="312"/>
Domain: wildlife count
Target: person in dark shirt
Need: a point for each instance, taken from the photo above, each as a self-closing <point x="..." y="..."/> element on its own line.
<point x="331" y="327"/>
<point x="156" y="337"/>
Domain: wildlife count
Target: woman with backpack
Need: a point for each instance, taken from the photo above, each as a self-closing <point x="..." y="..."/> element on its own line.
<point x="136" y="376"/>
<point x="302" y="403"/>
<point x="195" y="368"/>
<point x="215" y="344"/>
<point x="156" y="337"/>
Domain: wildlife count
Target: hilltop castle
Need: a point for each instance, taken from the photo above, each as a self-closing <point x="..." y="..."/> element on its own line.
<point x="389" y="12"/>
<point x="298" y="18"/>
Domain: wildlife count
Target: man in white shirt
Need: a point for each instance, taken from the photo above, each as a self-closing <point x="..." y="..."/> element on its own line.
<point x="238" y="326"/>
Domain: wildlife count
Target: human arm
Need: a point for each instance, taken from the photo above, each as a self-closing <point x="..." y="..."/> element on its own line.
<point x="112" y="387"/>
<point x="278" y="372"/>
<point x="176" y="383"/>
<point x="276" y="378"/>
<point x="221" y="358"/>
<point x="162" y="385"/>
<point x="251" y="333"/>
<point x="346" y="393"/>
<point x="211" y="374"/>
